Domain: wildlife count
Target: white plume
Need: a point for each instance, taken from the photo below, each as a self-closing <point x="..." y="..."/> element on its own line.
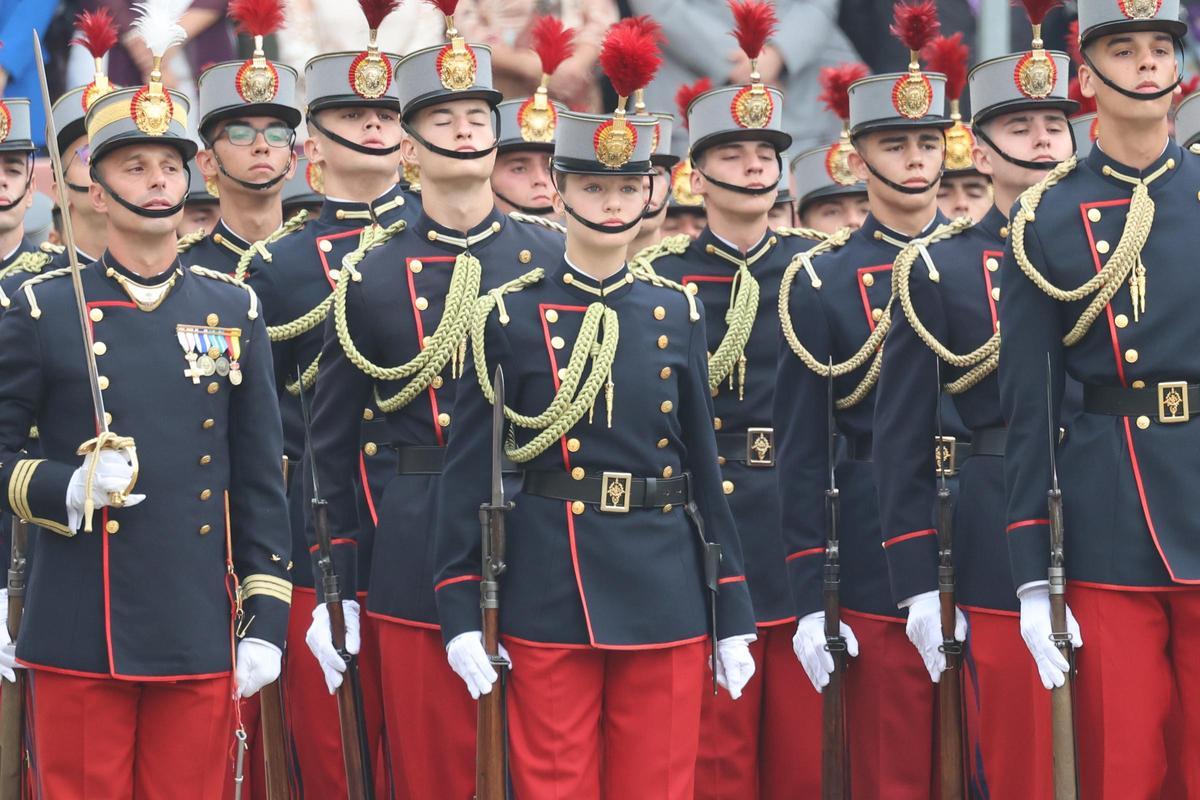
<point x="158" y="25"/>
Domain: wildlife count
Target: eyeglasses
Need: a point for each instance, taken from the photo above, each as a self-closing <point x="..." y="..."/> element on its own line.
<point x="241" y="134"/>
<point x="84" y="154"/>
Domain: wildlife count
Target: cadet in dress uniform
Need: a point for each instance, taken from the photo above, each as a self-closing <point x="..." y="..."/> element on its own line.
<point x="948" y="287"/>
<point x="131" y="627"/>
<point x="768" y="743"/>
<point x="248" y="119"/>
<point x="685" y="208"/>
<point x="397" y="333"/>
<point x="304" y="191"/>
<point x="16" y="181"/>
<point x="964" y="190"/>
<point x="783" y="213"/>
<point x="664" y="161"/>
<point x="1113" y="230"/>
<point x="837" y="304"/>
<point x="202" y="209"/>
<point x="603" y="605"/>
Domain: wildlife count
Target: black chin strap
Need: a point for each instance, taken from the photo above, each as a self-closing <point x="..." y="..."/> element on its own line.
<point x="655" y="211"/>
<point x="743" y="189"/>
<point x="1138" y="95"/>
<point x="344" y="142"/>
<point x="75" y="187"/>
<point x="149" y="213"/>
<point x="536" y="211"/>
<point x="28" y="182"/>
<point x="587" y="223"/>
<point x="899" y="187"/>
<point x="254" y="187"/>
<point x="1041" y="166"/>
<point x="464" y="155"/>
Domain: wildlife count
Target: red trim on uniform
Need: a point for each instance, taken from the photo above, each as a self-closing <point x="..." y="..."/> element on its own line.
<point x="993" y="611"/>
<point x="412" y="301"/>
<point x="459" y="579"/>
<point x="61" y="670"/>
<point x="626" y="648"/>
<point x="703" y="278"/>
<point x="366" y="482"/>
<point x="904" y="537"/>
<point x="587" y="616"/>
<point x="732" y="579"/>
<point x="862" y="291"/>
<point x="1137" y="477"/>
<point x="774" y="622"/>
<point x="1113" y="587"/>
<point x="987" y="279"/>
<point x="321" y="253"/>
<point x="812" y="551"/>
<point x="878" y="617"/>
<point x="334" y="542"/>
<point x="1112" y="328"/>
<point x="542" y="309"/>
<point x="117" y="676"/>
<point x="1025" y="523"/>
<point x="545" y="645"/>
<point x="412" y="623"/>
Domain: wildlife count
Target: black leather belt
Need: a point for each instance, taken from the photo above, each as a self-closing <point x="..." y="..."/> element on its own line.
<point x="1167" y="402"/>
<point x="754" y="447"/>
<point x="858" y="448"/>
<point x="429" y="459"/>
<point x="949" y="453"/>
<point x="614" y="492"/>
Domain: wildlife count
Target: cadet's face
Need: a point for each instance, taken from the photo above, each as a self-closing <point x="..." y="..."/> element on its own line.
<point x="14" y="177"/>
<point x="781" y="215"/>
<point x="369" y="127"/>
<point x="966" y="196"/>
<point x="659" y="186"/>
<point x="688" y="222"/>
<point x="835" y="213"/>
<point x="524" y="179"/>
<point x="1039" y="136"/>
<point x="198" y="216"/>
<point x="75" y="168"/>
<point x="150" y="176"/>
<point x="749" y="164"/>
<point x="608" y="200"/>
<point x="464" y="126"/>
<point x="1142" y="62"/>
<point x="251" y="155"/>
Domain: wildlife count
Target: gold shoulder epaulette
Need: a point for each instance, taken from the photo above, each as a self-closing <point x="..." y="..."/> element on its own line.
<point x="642" y="264"/>
<point x="189" y="241"/>
<point x="34" y="310"/>
<point x="804" y="233"/>
<point x="536" y="220"/>
<point x="212" y="274"/>
<point x="804" y="260"/>
<point x="52" y="249"/>
<point x="654" y="279"/>
<point x="32" y="262"/>
<point x="294" y="223"/>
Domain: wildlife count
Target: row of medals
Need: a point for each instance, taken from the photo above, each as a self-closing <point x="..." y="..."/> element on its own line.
<point x="214" y="363"/>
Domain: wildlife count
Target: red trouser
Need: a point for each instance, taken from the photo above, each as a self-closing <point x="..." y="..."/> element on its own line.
<point x="1007" y="715"/>
<point x="586" y="724"/>
<point x="311" y="712"/>
<point x="1137" y="693"/>
<point x="767" y="743"/>
<point x="890" y="708"/>
<point x="106" y="738"/>
<point x="428" y="713"/>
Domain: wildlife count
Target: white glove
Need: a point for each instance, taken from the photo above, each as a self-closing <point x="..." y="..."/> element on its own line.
<point x="735" y="666"/>
<point x="1035" y="630"/>
<point x="320" y="641"/>
<point x="258" y="663"/>
<point x="924" y="630"/>
<point x="112" y="475"/>
<point x="809" y="646"/>
<point x="8" y="648"/>
<point x="470" y="662"/>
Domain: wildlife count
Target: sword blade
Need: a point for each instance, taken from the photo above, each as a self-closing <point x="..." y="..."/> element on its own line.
<point x="498" y="439"/>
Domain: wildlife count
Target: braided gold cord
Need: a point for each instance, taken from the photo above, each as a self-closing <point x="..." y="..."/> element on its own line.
<point x="739" y="320"/>
<point x="32" y="262"/>
<point x="804" y="233"/>
<point x="295" y="223"/>
<point x="532" y="219"/>
<point x="307" y="379"/>
<point x="189" y="241"/>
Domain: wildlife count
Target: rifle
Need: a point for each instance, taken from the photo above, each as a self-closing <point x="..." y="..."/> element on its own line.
<point x="950" y="686"/>
<point x="356" y="753"/>
<point x="491" y="762"/>
<point x="12" y="694"/>
<point x="1062" y="713"/>
<point x="834" y="775"/>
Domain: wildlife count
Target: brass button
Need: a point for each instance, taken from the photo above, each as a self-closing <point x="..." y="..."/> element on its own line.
<point x="422" y="304"/>
<point x="437" y="382"/>
<point x="662" y="443"/>
<point x="1121" y="320"/>
<point x="714" y="391"/>
<point x="415" y="266"/>
<point x="1138" y="384"/>
<point x="877" y="314"/>
<point x="1094" y="214"/>
<point x="666" y="406"/>
<point x="103" y="381"/>
<point x="717" y="423"/>
<point x="212" y="319"/>
<point x="1143" y="422"/>
<point x="205" y="460"/>
<point x="431" y="236"/>
<point x="335" y="275"/>
<point x="992" y="264"/>
<point x="664" y="373"/>
<point x="708" y="248"/>
<point x="551" y="315"/>
<point x="368" y="414"/>
<point x="668" y="472"/>
<point x="573" y="445"/>
<point x="524" y="256"/>
<point x="660" y="312"/>
<point x="577" y="507"/>
<point x="868" y="279"/>
<point x="727" y="486"/>
<point x="444" y="419"/>
<point x="108" y="418"/>
<point x="578" y="473"/>
<point x="662" y="342"/>
<point x="720" y="461"/>
<point x="206" y="494"/>
<point x="208" y="423"/>
<point x="325" y="245"/>
<point x="995" y="292"/>
<point x="204" y="529"/>
<point x="112" y="526"/>
<point x="1101" y="247"/>
<point x="692" y="288"/>
<point x="558" y="343"/>
<point x="562" y="373"/>
<point x="667" y="508"/>
<point x="214" y="387"/>
<point x="96" y="314"/>
<point x="425" y="340"/>
<point x="370" y="448"/>
<point x="1131" y="355"/>
<point x="99" y="348"/>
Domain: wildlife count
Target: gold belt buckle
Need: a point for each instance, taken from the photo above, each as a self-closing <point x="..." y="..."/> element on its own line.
<point x="615" y="488"/>
<point x="760" y="447"/>
<point x="945" y="456"/>
<point x="1173" y="402"/>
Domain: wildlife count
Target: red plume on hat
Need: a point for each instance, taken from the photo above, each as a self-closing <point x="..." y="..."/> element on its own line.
<point x="1187" y="87"/>
<point x="948" y="55"/>
<point x="1073" y="42"/>
<point x="97" y="33"/>
<point x="687" y="93"/>
<point x="835" y="87"/>
<point x="257" y="18"/>
<point x="257" y="80"/>
<point x="1087" y="105"/>
<point x="1037" y="10"/>
<point x="629" y="57"/>
<point x="553" y="44"/>
<point x="915" y="25"/>
<point x="754" y="22"/>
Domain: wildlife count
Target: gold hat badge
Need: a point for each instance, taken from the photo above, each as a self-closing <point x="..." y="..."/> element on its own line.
<point x="456" y="64"/>
<point x="1036" y="74"/>
<point x="553" y="44"/>
<point x="158" y="26"/>
<point x="97" y="32"/>
<point x="914" y="25"/>
<point x="629" y="57"/>
<point x="948" y="55"/>
<point x="835" y="94"/>
<point x="754" y="23"/>
<point x="370" y="72"/>
<point x="257" y="80"/>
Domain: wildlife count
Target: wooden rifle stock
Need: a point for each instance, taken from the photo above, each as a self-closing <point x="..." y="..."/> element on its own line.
<point x="270" y="703"/>
<point x="1062" y="712"/>
<point x="834" y="780"/>
<point x="950" y="746"/>
<point x="12" y="693"/>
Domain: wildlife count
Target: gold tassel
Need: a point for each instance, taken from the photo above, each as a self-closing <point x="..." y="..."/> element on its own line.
<point x="742" y="377"/>
<point x="609" y="390"/>
<point x="1141" y="273"/>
